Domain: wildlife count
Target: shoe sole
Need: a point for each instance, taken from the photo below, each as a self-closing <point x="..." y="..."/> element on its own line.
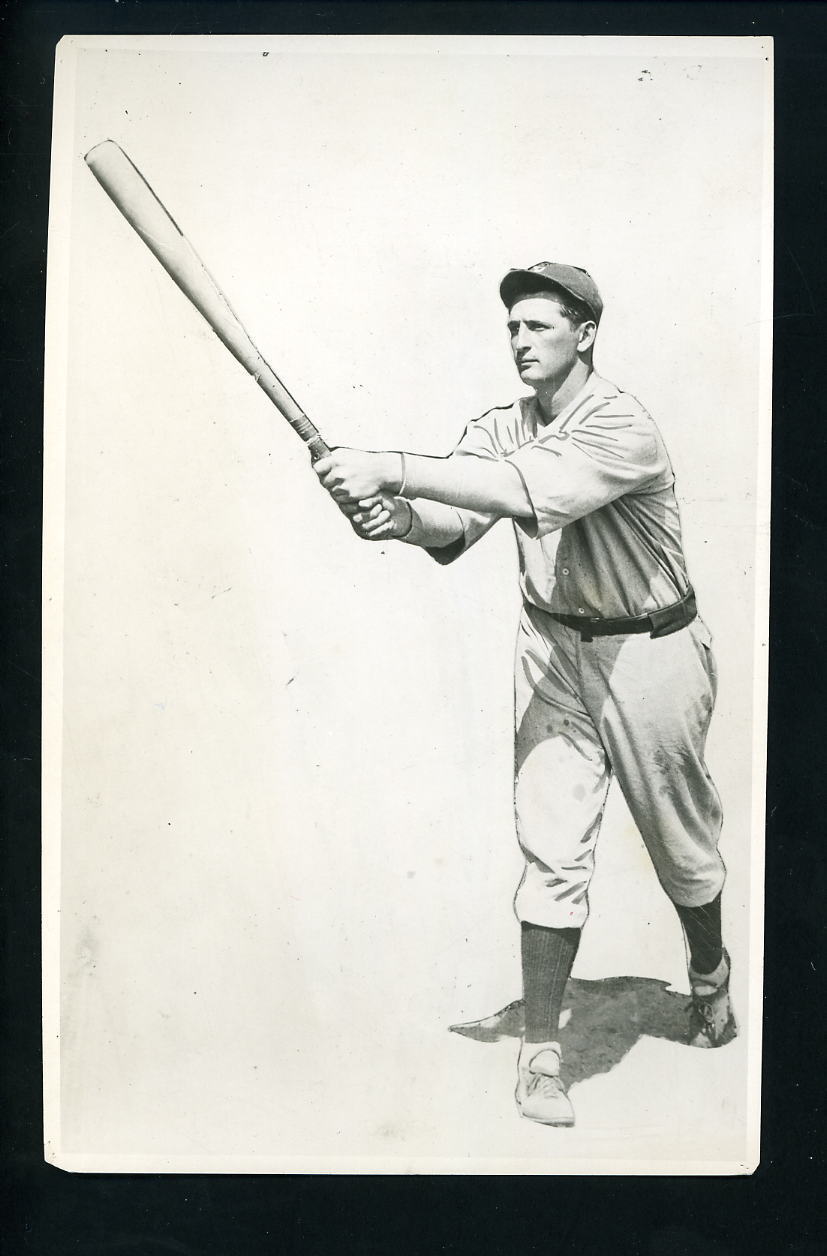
<point x="538" y="1120"/>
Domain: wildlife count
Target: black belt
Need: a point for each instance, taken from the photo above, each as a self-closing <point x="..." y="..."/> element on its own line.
<point x="659" y="623"/>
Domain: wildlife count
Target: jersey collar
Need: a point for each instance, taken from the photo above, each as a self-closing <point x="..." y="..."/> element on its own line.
<point x="595" y="387"/>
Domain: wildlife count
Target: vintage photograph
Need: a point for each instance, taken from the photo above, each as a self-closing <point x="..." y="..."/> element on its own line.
<point x="407" y="451"/>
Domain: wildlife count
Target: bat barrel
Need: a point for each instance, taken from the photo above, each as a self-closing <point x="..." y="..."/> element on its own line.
<point x="130" y="192"/>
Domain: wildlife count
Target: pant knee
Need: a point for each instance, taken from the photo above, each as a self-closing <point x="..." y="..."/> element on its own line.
<point x="553" y="898"/>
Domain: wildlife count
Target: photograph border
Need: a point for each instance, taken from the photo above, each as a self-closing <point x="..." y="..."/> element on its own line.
<point x="49" y="1211"/>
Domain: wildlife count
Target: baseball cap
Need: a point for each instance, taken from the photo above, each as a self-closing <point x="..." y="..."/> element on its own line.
<point x="572" y="279"/>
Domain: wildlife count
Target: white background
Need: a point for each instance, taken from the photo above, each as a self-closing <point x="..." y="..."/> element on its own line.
<point x="280" y="835"/>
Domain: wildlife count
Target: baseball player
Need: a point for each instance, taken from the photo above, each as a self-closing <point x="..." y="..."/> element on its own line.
<point x="614" y="668"/>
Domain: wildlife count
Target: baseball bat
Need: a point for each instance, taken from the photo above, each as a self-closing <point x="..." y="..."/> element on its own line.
<point x="126" y="186"/>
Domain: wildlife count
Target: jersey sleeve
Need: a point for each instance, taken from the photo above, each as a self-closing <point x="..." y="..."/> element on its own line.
<point x="570" y="472"/>
<point x="479" y="440"/>
<point x="435" y="517"/>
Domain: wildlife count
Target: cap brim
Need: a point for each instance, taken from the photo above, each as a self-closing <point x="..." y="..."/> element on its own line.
<point x="517" y="281"/>
<point x="523" y="282"/>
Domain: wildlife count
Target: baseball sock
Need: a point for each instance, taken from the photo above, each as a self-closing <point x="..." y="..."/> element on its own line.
<point x="547" y="956"/>
<point x="703" y="935"/>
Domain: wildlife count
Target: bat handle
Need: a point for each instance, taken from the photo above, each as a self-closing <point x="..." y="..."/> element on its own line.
<point x="284" y="402"/>
<point x="318" y="448"/>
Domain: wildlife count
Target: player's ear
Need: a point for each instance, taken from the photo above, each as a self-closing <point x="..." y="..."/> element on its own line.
<point x="588" y="331"/>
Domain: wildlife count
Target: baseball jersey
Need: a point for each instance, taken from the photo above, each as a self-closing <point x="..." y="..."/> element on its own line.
<point x="605" y="536"/>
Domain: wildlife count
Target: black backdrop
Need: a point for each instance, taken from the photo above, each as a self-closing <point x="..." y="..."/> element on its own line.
<point x="780" y="1208"/>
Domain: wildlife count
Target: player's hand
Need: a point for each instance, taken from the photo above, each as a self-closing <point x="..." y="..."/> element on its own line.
<point x="379" y="518"/>
<point x="356" y="475"/>
<point x="385" y="518"/>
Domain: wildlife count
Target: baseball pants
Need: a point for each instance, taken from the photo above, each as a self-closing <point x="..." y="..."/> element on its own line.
<point x="635" y="707"/>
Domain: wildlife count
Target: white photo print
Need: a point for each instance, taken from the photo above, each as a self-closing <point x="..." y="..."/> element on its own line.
<point x="403" y="772"/>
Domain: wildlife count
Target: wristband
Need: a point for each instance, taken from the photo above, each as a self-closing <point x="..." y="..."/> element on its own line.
<point x="409" y="528"/>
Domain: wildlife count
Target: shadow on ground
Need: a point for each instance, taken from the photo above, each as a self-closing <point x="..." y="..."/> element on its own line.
<point x="606" y="1018"/>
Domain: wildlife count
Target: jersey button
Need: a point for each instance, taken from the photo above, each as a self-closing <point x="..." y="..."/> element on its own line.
<point x="581" y="610"/>
<point x="565" y="571"/>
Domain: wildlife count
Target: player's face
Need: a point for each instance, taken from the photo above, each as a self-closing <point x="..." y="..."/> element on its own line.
<point x="544" y="343"/>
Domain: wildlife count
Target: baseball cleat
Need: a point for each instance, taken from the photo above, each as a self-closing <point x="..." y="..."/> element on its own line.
<point x="541" y="1095"/>
<point x="711" y="1018"/>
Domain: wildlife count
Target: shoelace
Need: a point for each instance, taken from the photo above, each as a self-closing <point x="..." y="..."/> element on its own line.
<point x="547" y="1087"/>
<point x="703" y="1014"/>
